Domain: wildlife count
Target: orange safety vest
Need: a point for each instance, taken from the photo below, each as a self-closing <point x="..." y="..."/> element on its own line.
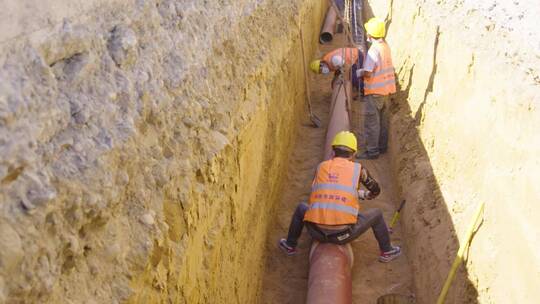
<point x="382" y="80"/>
<point x="350" y="54"/>
<point x="334" y="193"/>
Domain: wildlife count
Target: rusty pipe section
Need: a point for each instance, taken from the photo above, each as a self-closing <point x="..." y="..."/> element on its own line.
<point x="330" y="274"/>
<point x="329" y="26"/>
<point x="339" y="115"/>
<point x="330" y="264"/>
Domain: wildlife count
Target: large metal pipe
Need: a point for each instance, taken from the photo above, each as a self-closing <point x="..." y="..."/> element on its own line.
<point x="339" y="116"/>
<point x="329" y="26"/>
<point x="330" y="264"/>
<point x="330" y="274"/>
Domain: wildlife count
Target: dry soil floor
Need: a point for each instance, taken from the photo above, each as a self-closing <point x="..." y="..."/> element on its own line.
<point x="285" y="280"/>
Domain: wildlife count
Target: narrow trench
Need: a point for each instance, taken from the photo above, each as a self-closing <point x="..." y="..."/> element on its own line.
<point x="286" y="278"/>
<point x="143" y="145"/>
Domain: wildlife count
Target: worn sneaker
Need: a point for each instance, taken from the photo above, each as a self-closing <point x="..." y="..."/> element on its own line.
<point x="286" y="248"/>
<point x="390" y="255"/>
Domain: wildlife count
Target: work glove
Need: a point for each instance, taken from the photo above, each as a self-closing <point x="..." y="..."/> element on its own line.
<point x="365" y="195"/>
<point x="360" y="73"/>
<point x="325" y="69"/>
<point x="370" y="195"/>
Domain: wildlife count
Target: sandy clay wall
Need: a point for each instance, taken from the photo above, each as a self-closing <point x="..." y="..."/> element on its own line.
<point x="141" y="145"/>
<point x="465" y="130"/>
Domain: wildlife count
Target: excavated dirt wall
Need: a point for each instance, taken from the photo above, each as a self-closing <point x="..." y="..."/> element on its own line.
<point x="142" y="146"/>
<point x="465" y="130"/>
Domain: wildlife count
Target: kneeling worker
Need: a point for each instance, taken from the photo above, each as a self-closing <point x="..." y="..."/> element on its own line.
<point x="332" y="213"/>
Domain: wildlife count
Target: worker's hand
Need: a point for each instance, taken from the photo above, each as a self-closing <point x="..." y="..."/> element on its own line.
<point x="360" y="72"/>
<point x="325" y="69"/>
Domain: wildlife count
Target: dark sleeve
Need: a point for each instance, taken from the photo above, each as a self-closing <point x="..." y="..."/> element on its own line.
<point x="369" y="182"/>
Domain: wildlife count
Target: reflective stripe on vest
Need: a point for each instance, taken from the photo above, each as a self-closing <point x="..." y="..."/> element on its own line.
<point x="351" y="56"/>
<point x="334" y="196"/>
<point x="382" y="80"/>
<point x="338" y="187"/>
<point x="339" y="207"/>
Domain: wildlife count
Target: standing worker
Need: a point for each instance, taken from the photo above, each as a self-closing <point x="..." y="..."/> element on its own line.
<point x="379" y="83"/>
<point x="332" y="214"/>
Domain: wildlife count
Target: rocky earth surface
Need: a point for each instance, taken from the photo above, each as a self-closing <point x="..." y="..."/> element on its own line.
<point x="141" y="145"/>
<point x="464" y="130"/>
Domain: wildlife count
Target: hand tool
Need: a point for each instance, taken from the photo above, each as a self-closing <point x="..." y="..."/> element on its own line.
<point x="314" y="119"/>
<point x="395" y="217"/>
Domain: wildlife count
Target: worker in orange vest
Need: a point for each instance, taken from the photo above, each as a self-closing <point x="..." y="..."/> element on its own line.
<point x="334" y="60"/>
<point x="379" y="84"/>
<point x="332" y="214"/>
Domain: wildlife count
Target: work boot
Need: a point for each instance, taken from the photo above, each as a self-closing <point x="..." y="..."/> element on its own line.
<point x="390" y="255"/>
<point x="366" y="155"/>
<point x="289" y="250"/>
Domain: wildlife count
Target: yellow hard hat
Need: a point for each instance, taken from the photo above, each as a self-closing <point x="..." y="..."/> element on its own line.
<point x="375" y="27"/>
<point x="345" y="139"/>
<point x="315" y="66"/>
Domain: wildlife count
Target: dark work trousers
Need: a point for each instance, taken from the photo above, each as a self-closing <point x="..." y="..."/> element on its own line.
<point x="371" y="218"/>
<point x="376" y="121"/>
<point x="297" y="224"/>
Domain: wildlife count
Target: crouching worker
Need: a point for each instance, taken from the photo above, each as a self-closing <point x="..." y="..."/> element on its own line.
<point x="336" y="60"/>
<point x="332" y="214"/>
